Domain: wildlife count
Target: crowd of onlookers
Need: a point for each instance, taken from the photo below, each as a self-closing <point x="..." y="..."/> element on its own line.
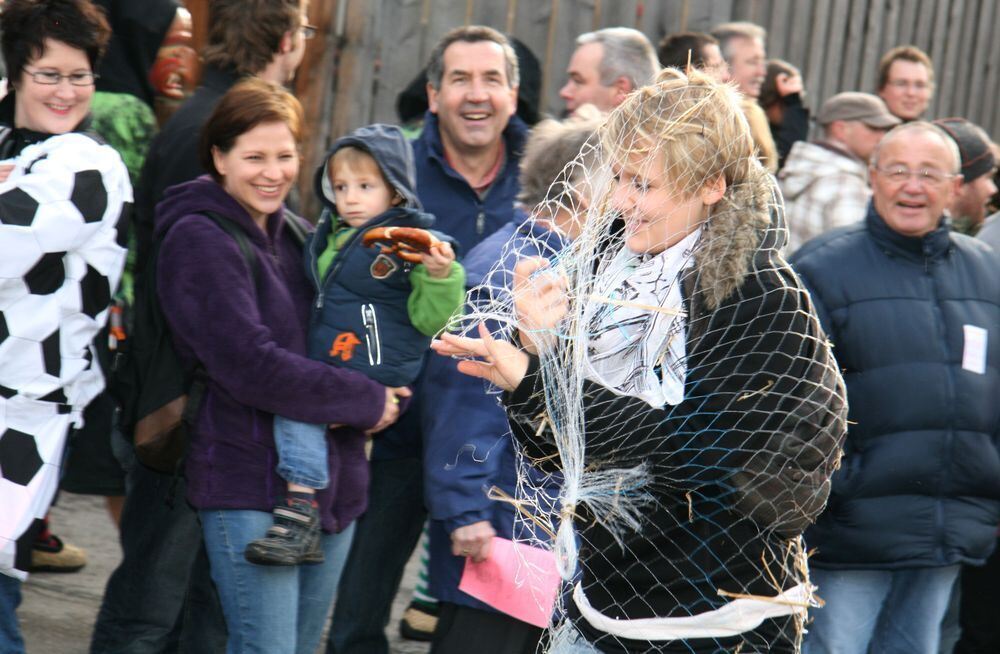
<point x="252" y="541"/>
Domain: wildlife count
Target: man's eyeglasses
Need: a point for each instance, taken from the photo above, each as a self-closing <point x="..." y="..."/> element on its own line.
<point x="51" y="77"/>
<point x="928" y="176"/>
<point x="308" y="31"/>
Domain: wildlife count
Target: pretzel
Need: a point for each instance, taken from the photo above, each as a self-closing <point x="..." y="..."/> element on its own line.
<point x="407" y="243"/>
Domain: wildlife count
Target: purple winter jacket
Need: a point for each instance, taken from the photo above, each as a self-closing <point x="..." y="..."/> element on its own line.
<point x="252" y="345"/>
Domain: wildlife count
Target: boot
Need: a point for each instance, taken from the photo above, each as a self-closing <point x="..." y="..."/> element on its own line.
<point x="294" y="537"/>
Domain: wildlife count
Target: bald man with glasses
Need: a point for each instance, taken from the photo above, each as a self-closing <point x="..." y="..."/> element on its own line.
<point x="913" y="311"/>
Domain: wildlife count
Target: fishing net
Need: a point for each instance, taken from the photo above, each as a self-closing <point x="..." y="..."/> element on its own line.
<point x="687" y="401"/>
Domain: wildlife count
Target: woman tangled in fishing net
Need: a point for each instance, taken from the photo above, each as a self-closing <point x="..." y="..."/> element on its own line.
<point x="675" y="373"/>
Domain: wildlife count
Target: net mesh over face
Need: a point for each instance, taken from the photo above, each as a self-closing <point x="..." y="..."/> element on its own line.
<point x="686" y="405"/>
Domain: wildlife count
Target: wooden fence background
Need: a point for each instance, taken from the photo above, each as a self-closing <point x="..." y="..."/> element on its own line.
<point x="368" y="50"/>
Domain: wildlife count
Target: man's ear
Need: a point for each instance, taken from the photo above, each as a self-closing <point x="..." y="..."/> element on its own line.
<point x="713" y="190"/>
<point x="432" y="98"/>
<point x="513" y="99"/>
<point x="622" y="88"/>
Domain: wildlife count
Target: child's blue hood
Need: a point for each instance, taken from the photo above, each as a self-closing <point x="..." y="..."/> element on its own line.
<point x="392" y="152"/>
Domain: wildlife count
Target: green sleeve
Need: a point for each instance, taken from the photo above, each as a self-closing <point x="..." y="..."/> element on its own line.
<point x="433" y="301"/>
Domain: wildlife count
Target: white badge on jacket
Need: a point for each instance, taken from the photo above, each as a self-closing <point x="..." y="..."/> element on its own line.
<point x="974" y="352"/>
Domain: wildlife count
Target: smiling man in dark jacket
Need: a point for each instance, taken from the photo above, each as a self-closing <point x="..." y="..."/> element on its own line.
<point x="467" y="160"/>
<point x="913" y="311"/>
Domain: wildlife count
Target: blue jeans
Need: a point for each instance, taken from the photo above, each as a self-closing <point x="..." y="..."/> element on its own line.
<point x="301" y="453"/>
<point x="881" y="611"/>
<point x="160" y="599"/>
<point x="10" y="599"/>
<point x="383" y="543"/>
<point x="270" y="609"/>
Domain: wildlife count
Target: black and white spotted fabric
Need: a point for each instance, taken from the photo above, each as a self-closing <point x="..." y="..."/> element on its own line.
<point x="60" y="262"/>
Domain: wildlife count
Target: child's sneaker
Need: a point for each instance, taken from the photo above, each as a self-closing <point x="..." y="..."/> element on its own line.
<point x="294" y="537"/>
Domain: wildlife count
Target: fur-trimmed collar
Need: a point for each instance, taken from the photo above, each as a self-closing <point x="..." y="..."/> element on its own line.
<point x="745" y="227"/>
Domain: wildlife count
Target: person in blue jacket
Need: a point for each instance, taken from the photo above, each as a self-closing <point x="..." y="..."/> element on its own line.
<point x="913" y="311"/>
<point x="469" y="454"/>
<point x="466" y="163"/>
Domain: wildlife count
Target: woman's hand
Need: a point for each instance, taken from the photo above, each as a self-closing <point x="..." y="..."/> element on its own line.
<point x="473" y="540"/>
<point x="5" y="171"/>
<point x="540" y="301"/>
<point x="502" y="364"/>
<point x="788" y="84"/>
<point x="390" y="413"/>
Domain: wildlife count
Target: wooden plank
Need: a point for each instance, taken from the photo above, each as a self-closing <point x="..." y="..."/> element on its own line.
<point x="802" y="38"/>
<point x="923" y="31"/>
<point x="890" y="30"/>
<point x="444" y="15"/>
<point x="355" y="72"/>
<point x="872" y="49"/>
<point x="907" y="21"/>
<point x="666" y="17"/>
<point x="489" y="12"/>
<point x="651" y="21"/>
<point x="531" y="25"/>
<point x="990" y="120"/>
<point x="615" y="13"/>
<point x="314" y="89"/>
<point x="744" y="10"/>
<point x="720" y="11"/>
<point x="948" y="82"/>
<point x="199" y="25"/>
<point x="817" y="53"/>
<point x="400" y="39"/>
<point x="778" y="37"/>
<point x="966" y="57"/>
<point x="974" y="101"/>
<point x="838" y="49"/>
<point x="850" y="72"/>
<point x="699" y="17"/>
<point x="937" y="51"/>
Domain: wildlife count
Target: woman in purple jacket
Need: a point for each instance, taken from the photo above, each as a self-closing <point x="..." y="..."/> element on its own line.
<point x="247" y="330"/>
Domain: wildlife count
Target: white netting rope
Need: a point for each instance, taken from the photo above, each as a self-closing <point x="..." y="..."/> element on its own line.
<point x="688" y="402"/>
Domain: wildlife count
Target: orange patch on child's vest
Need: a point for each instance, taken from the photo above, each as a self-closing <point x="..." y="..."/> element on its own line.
<point x="343" y="346"/>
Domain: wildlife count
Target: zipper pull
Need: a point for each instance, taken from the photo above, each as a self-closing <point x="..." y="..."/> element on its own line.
<point x="480" y="223"/>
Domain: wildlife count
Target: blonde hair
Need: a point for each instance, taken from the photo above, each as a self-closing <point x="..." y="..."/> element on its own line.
<point x="355" y="158"/>
<point x="690" y="123"/>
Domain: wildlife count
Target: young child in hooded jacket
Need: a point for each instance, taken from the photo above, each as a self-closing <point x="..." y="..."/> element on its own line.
<point x="373" y="312"/>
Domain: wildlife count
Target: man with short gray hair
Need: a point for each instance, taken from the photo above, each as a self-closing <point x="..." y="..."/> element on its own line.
<point x="742" y="46"/>
<point x="825" y="182"/>
<point x="912" y="310"/>
<point x="606" y="66"/>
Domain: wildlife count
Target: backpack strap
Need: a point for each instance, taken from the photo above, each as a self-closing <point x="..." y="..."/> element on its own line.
<point x="238" y="235"/>
<point x="200" y="379"/>
<point x="295" y="226"/>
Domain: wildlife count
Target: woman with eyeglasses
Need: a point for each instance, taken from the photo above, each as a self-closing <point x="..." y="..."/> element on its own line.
<point x="62" y="194"/>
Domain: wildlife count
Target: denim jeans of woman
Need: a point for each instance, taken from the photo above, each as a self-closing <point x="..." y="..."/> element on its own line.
<point x="270" y="609"/>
